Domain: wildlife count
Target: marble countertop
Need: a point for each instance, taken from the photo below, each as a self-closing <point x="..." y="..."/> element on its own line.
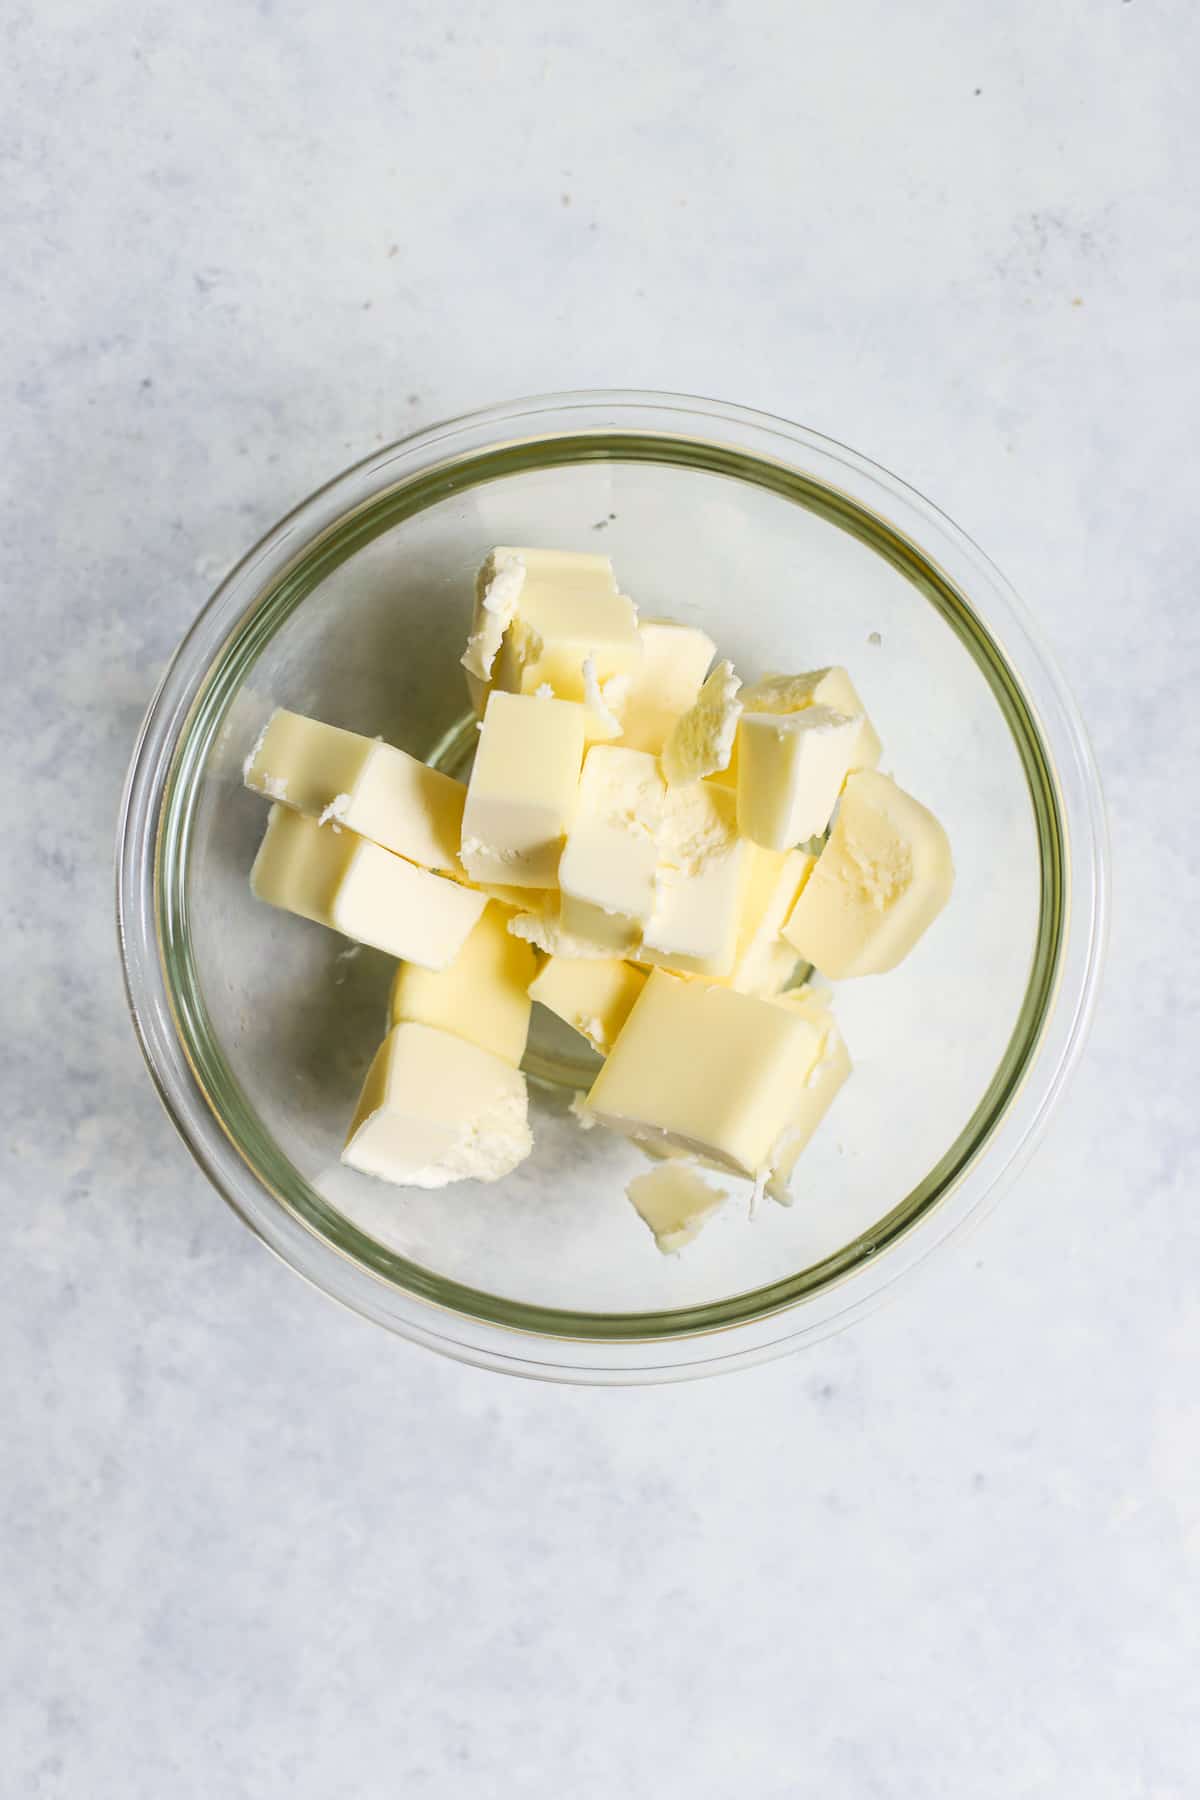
<point x="250" y="1546"/>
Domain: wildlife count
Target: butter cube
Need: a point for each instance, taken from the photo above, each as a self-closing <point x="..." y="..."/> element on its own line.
<point x="707" y="1070"/>
<point x="825" y="1079"/>
<point x="791" y="767"/>
<point x="675" y="1202"/>
<point x="371" y="787"/>
<point x="764" y="961"/>
<point x="701" y="742"/>
<point x="436" y="1109"/>
<point x="336" y="878"/>
<point x="497" y="590"/>
<point x="522" y="792"/>
<point x="481" y="996"/>
<point x="602" y="698"/>
<point x="831" y="688"/>
<point x="881" y="880"/>
<point x="702" y="871"/>
<point x="675" y="659"/>
<point x="564" y="609"/>
<point x="608" y="867"/>
<point x="543" y="928"/>
<point x="593" y="996"/>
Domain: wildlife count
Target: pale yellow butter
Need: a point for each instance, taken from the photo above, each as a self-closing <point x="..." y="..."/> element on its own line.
<point x="518" y="899"/>
<point x="544" y="929"/>
<point x="822" y="1085"/>
<point x="879" y="883"/>
<point x="791" y="767"/>
<point x="602" y="700"/>
<point x="497" y="591"/>
<point x="664" y="685"/>
<point x="371" y="787"/>
<point x="564" y="610"/>
<point x="522" y="792"/>
<point x="701" y="742"/>
<point x="702" y="870"/>
<point x="830" y="687"/>
<point x="707" y="1070"/>
<point x="764" y="961"/>
<point x="675" y="1202"/>
<point x="435" y="1109"/>
<point x="609" y="865"/>
<point x="481" y="996"/>
<point x="593" y="996"/>
<point x="332" y="876"/>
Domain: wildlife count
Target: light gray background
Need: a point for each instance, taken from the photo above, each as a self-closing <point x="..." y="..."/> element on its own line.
<point x="252" y="1547"/>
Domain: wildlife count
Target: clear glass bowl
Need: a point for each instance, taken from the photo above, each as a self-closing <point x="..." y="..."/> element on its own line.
<point x="792" y="552"/>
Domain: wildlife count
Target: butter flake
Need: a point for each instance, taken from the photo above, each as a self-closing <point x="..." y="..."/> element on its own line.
<point x="500" y="582"/>
<point x="702" y="740"/>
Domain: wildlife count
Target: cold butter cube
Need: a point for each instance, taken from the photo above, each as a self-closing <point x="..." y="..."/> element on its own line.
<point x="764" y="961"/>
<point x="675" y="1202"/>
<point x="522" y="791"/>
<point x="371" y="787"/>
<point x="335" y="878"/>
<point x="497" y="590"/>
<point x="822" y="1085"/>
<point x="701" y="742"/>
<point x="602" y="700"/>
<point x="435" y="1109"/>
<point x="608" y="867"/>
<point x="707" y="1070"/>
<point x="543" y="928"/>
<point x="564" y="609"/>
<point x="829" y="687"/>
<point x="593" y="996"/>
<point x="879" y="883"/>
<point x="791" y="767"/>
<point x="664" y="685"/>
<point x="702" y="871"/>
<point x="482" y="996"/>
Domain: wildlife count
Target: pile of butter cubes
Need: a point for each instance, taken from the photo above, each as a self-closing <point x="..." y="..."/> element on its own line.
<point x="647" y="848"/>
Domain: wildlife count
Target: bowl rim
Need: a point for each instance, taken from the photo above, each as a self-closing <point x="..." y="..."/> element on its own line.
<point x="618" y="1350"/>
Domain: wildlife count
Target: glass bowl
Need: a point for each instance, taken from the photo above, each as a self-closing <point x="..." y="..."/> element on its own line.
<point x="792" y="552"/>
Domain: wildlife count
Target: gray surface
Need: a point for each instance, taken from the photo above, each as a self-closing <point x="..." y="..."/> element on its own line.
<point x="250" y="1546"/>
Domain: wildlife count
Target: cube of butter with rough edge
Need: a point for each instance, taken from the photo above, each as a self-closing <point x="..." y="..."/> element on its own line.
<point x="435" y="1109"/>
<point x="879" y="883"/>
<point x="591" y="995"/>
<point x="522" y="792"/>
<point x="675" y="659"/>
<point x="602" y="699"/>
<point x="764" y="961"/>
<point x="609" y="863"/>
<point x="544" y="929"/>
<point x="707" y="1070"/>
<point x="675" y="1201"/>
<point x="375" y="789"/>
<point x="791" y="767"/>
<point x="701" y="741"/>
<point x="702" y="871"/>
<point x="825" y="1080"/>
<point x="831" y="687"/>
<point x="332" y="876"/>
<point x="564" y="609"/>
<point x="497" y="589"/>
<point x="482" y="996"/>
